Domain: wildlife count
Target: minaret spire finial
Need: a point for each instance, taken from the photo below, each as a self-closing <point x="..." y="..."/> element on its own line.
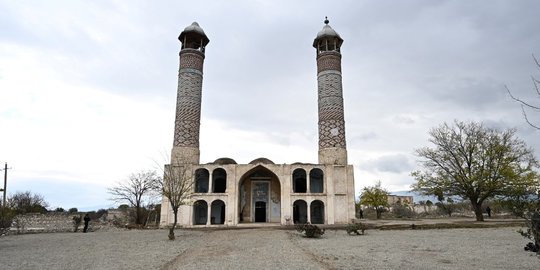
<point x="326" y="21"/>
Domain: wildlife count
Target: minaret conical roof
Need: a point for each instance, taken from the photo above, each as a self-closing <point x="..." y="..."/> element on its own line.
<point x="327" y="32"/>
<point x="196" y="31"/>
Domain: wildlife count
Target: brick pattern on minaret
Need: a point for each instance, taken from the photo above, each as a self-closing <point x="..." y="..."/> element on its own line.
<point x="188" y="103"/>
<point x="331" y="116"/>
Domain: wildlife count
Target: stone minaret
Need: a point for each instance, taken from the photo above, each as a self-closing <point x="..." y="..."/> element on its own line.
<point x="332" y="148"/>
<point x="188" y="103"/>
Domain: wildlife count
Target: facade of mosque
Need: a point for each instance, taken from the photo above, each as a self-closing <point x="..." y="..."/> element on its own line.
<point x="225" y="193"/>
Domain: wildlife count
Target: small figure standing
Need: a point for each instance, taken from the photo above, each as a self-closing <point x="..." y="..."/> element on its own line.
<point x="86" y="221"/>
<point x="361" y="212"/>
<point x="488" y="211"/>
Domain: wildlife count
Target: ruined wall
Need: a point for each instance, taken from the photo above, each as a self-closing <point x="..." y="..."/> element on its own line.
<point x="37" y="223"/>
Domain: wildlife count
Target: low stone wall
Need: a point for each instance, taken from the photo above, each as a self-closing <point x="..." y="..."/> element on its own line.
<point x="48" y="222"/>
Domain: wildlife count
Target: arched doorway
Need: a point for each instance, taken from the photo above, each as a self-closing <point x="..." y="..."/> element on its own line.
<point x="317" y="212"/>
<point x="299" y="212"/>
<point x="217" y="212"/>
<point x="200" y="212"/>
<point x="260" y="196"/>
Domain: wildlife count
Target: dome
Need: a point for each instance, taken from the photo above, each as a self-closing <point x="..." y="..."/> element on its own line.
<point x="261" y="160"/>
<point x="194" y="30"/>
<point x="327" y="32"/>
<point x="224" y="161"/>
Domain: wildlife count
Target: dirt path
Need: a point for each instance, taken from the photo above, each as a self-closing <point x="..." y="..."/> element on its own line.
<point x="246" y="249"/>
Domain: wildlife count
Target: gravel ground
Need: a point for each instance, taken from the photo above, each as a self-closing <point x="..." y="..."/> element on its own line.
<point x="493" y="248"/>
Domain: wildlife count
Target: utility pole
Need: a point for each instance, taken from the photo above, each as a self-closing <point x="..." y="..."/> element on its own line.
<point x="5" y="184"/>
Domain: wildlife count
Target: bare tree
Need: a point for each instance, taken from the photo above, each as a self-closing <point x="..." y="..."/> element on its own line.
<point x="177" y="186"/>
<point x="529" y="105"/>
<point x="26" y="202"/>
<point x="135" y="190"/>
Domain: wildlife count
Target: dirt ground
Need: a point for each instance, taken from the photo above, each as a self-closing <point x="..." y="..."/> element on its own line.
<point x="269" y="248"/>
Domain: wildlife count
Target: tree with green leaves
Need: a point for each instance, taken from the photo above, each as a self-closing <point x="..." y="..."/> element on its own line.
<point x="475" y="163"/>
<point x="176" y="186"/>
<point x="376" y="197"/>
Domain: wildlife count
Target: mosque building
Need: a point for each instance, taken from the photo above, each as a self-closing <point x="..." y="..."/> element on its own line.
<point x="229" y="194"/>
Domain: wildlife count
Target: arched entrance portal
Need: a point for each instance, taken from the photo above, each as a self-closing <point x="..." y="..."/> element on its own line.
<point x="260" y="196"/>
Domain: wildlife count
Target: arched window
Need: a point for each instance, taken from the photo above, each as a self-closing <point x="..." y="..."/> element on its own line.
<point x="299" y="181"/>
<point x="219" y="180"/>
<point x="201" y="180"/>
<point x="317" y="212"/>
<point x="316" y="181"/>
<point x="299" y="212"/>
<point x="200" y="212"/>
<point x="217" y="212"/>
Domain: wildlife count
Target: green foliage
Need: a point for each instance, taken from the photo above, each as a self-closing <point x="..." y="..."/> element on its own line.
<point x="73" y="210"/>
<point x="59" y="210"/>
<point x="475" y="163"/>
<point x="309" y="230"/>
<point x="356" y="228"/>
<point x="376" y="197"/>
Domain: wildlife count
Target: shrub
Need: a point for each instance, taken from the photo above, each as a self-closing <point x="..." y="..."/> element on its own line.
<point x="402" y="211"/>
<point x="354" y="228"/>
<point x="73" y="210"/>
<point x="6" y="217"/>
<point x="309" y="230"/>
<point x="532" y="232"/>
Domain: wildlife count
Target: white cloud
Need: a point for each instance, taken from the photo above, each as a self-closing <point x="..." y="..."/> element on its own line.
<point x="88" y="88"/>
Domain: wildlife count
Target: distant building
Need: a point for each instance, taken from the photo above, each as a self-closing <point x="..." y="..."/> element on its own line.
<point x="396" y="199"/>
<point x="227" y="193"/>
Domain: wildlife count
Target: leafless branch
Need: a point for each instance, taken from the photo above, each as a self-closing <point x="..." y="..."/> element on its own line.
<point x="529" y="105"/>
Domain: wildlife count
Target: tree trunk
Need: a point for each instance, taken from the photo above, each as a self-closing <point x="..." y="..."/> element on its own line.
<point x="477" y="207"/>
<point x="171" y="230"/>
<point x="137" y="214"/>
<point x="379" y="212"/>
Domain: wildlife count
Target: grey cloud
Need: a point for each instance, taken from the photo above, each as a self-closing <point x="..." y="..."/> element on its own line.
<point x="398" y="163"/>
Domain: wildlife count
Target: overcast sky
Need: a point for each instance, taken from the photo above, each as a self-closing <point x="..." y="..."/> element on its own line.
<point x="88" y="88"/>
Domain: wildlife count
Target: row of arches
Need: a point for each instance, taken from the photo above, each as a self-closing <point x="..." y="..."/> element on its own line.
<point x="300" y="181"/>
<point x="200" y="212"/>
<point x="316" y="212"/>
<point x="301" y="185"/>
<point x="217" y="212"/>
<point x="202" y="181"/>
